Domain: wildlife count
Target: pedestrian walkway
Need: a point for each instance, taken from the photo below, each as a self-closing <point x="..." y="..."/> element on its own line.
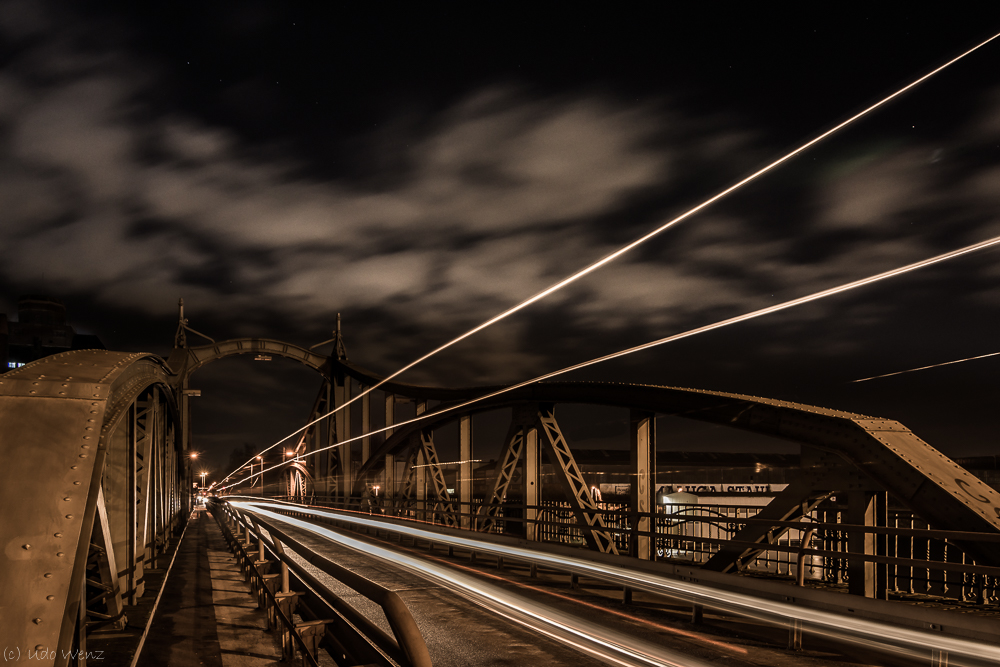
<point x="207" y="615"/>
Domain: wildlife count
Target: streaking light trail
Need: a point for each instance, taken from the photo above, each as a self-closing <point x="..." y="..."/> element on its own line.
<point x="923" y="368"/>
<point x="901" y="641"/>
<point x="816" y="296"/>
<point x="604" y="643"/>
<point x="634" y="244"/>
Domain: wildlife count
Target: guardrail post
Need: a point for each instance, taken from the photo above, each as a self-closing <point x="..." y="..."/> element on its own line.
<point x="697" y="614"/>
<point x="795" y="635"/>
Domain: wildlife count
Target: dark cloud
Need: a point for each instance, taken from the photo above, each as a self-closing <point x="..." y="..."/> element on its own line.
<point x="121" y="187"/>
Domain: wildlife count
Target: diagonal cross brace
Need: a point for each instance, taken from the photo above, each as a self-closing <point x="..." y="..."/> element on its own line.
<point x="513" y="445"/>
<point x="588" y="516"/>
<point x="442" y="499"/>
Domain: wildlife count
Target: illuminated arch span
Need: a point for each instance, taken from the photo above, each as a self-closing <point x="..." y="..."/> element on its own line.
<point x="186" y="360"/>
<point x="888" y="453"/>
<point x="90" y="482"/>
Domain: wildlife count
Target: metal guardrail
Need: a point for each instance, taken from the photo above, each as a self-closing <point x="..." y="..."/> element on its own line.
<point x="915" y="558"/>
<point x="941" y="621"/>
<point x="347" y="633"/>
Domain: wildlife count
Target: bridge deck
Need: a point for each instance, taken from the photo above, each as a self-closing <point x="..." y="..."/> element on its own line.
<point x="206" y="615"/>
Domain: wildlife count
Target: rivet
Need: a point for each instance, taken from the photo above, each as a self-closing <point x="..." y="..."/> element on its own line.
<point x="26" y="546"/>
<point x="50" y="597"/>
<point x="89" y="428"/>
<point x="35" y="384"/>
<point x="65" y="385"/>
<point x="48" y="575"/>
<point x="62" y="393"/>
<point x="95" y="404"/>
<point x="69" y="516"/>
<point x="76" y="483"/>
<point x="91" y="421"/>
<point x="32" y="392"/>
<point x="93" y="412"/>
<point x="72" y="467"/>
<point x="57" y="535"/>
<point x="84" y="446"/>
<point x="83" y="456"/>
<point x="97" y="395"/>
<point x="86" y="437"/>
<point x="67" y="498"/>
<point x="60" y="554"/>
<point x="39" y="648"/>
<point x="38" y="621"/>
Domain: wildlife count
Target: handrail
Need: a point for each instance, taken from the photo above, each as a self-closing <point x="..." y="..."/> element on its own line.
<point x="405" y="629"/>
<point x="287" y="622"/>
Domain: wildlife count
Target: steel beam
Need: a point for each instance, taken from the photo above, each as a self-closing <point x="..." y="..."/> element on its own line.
<point x="642" y="436"/>
<point x="567" y="472"/>
<point x="465" y="476"/>
<point x="504" y="472"/>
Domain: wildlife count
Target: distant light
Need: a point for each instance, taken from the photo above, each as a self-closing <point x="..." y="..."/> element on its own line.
<point x="289" y="453"/>
<point x="262" y="357"/>
<point x="194" y="455"/>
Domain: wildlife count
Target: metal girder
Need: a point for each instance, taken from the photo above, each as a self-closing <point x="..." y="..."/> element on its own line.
<point x="103" y="594"/>
<point x="798" y="499"/>
<point x="442" y="499"/>
<point x="184" y="360"/>
<point x="588" y="516"/>
<point x="506" y="465"/>
<point x="937" y="489"/>
<point x="407" y="487"/>
<point x="58" y="416"/>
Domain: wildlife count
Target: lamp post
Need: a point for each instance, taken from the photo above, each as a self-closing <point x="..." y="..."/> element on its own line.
<point x="189" y="480"/>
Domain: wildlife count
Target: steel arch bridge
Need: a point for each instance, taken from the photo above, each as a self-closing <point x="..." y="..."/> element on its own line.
<point x="94" y="446"/>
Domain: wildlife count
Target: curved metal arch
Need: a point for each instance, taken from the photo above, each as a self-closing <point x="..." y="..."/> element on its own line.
<point x="933" y="486"/>
<point x="57" y="416"/>
<point x="185" y="360"/>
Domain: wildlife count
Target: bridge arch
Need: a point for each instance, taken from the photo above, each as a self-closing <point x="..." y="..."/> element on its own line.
<point x="846" y="450"/>
<point x="93" y="466"/>
<point x="186" y="360"/>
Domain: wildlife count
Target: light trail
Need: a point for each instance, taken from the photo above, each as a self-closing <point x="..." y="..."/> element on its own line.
<point x="660" y="627"/>
<point x="900" y="641"/>
<point x="639" y="241"/>
<point x="446" y="463"/>
<point x="606" y="644"/>
<point x="923" y="368"/>
<point x="840" y="289"/>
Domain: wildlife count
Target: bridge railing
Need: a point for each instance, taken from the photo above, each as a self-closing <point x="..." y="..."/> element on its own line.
<point x="911" y="558"/>
<point x="330" y="618"/>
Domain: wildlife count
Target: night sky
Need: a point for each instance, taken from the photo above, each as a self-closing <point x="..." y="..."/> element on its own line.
<point x="421" y="167"/>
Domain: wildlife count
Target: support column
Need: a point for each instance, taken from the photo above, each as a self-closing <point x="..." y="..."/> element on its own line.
<point x="342" y="394"/>
<point x="532" y="483"/>
<point x="420" y="484"/>
<point x="642" y="433"/>
<point x="389" y="485"/>
<point x="465" y="475"/>
<point x="862" y="576"/>
<point x="366" y="424"/>
<point x="420" y="472"/>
